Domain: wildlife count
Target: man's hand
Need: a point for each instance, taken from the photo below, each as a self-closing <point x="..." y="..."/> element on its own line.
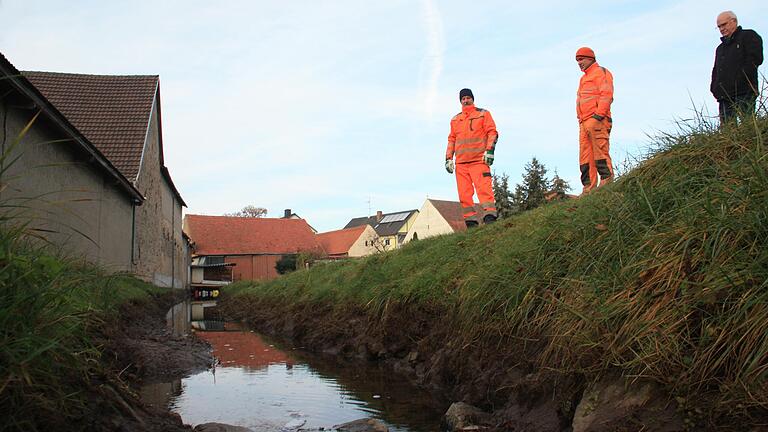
<point x="598" y="117"/>
<point x="449" y="166"/>
<point x="488" y="157"/>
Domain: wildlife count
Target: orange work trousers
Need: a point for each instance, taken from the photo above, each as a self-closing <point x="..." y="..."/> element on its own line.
<point x="594" y="157"/>
<point x="471" y="177"/>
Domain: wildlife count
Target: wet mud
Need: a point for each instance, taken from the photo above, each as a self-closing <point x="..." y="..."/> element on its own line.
<point x="492" y="372"/>
<point x="139" y="349"/>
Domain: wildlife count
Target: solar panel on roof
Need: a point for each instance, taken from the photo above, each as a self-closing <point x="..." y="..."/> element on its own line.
<point x="397" y="217"/>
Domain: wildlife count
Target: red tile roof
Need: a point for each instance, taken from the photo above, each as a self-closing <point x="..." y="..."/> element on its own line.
<point x="338" y="242"/>
<point x="226" y="235"/>
<point x="112" y="111"/>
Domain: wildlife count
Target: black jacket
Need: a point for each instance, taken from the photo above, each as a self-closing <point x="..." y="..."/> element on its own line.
<point x="736" y="62"/>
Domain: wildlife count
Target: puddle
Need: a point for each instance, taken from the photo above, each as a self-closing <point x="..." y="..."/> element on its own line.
<point x="263" y="387"/>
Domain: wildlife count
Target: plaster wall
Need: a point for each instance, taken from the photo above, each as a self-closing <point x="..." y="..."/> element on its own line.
<point x="70" y="202"/>
<point x="364" y="244"/>
<point x="428" y="223"/>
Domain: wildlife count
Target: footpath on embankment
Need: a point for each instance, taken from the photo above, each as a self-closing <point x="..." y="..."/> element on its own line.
<point x="639" y="307"/>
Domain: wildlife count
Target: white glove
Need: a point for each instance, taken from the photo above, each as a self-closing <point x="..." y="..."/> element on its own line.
<point x="449" y="166"/>
<point x="488" y="158"/>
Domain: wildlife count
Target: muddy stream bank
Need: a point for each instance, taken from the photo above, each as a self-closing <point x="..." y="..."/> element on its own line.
<point x="496" y="375"/>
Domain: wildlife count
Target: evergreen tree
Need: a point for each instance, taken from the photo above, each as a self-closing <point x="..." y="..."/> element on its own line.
<point x="530" y="193"/>
<point x="502" y="195"/>
<point x="560" y="186"/>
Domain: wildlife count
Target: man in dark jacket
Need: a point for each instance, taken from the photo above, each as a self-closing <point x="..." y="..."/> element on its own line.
<point x="734" y="77"/>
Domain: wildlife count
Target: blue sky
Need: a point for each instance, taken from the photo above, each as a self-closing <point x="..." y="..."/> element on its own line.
<point x="335" y="108"/>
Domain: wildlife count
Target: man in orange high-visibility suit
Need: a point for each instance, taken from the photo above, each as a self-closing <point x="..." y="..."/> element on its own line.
<point x="472" y="140"/>
<point x="593" y="109"/>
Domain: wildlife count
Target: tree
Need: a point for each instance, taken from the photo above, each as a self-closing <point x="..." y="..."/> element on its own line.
<point x="286" y="264"/>
<point x="502" y="195"/>
<point x="559" y="186"/>
<point x="249" y="211"/>
<point x="531" y="192"/>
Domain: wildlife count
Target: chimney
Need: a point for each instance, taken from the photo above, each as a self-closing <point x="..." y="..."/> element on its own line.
<point x="379" y="215"/>
<point x="287" y="214"/>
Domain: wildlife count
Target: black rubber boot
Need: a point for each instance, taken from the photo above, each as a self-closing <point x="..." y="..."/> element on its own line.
<point x="489" y="219"/>
<point x="471" y="224"/>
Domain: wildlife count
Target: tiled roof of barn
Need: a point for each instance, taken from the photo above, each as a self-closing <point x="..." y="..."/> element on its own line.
<point x="112" y="111"/>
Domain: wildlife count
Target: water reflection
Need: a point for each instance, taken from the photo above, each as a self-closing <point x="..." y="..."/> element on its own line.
<point x="259" y="386"/>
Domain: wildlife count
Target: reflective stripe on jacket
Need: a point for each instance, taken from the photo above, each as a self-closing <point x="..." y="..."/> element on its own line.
<point x="473" y="131"/>
<point x="595" y="93"/>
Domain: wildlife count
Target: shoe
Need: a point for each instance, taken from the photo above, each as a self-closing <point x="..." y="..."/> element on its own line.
<point x="606" y="181"/>
<point x="471" y="224"/>
<point x="489" y="219"/>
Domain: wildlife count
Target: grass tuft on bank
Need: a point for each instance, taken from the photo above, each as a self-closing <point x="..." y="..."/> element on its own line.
<point x="661" y="274"/>
<point x="51" y="310"/>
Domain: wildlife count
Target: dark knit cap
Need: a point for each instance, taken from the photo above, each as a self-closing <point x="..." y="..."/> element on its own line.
<point x="466" y="92"/>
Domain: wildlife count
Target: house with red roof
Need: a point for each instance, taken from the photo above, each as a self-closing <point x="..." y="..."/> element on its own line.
<point x="253" y="245"/>
<point x="438" y="217"/>
<point x="349" y="242"/>
<point x="90" y="169"/>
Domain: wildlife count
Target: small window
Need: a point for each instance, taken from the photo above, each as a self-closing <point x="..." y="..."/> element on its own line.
<point x="366" y="242"/>
<point x="386" y="242"/>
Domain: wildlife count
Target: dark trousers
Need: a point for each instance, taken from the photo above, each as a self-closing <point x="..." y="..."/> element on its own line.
<point x="740" y="107"/>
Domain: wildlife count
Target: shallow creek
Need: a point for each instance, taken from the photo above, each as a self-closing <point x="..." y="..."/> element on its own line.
<point x="267" y="387"/>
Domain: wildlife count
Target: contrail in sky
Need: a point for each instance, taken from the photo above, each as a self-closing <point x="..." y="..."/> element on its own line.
<point x="432" y="65"/>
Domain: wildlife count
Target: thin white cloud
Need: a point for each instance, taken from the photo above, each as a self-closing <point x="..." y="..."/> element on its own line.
<point x="432" y="64"/>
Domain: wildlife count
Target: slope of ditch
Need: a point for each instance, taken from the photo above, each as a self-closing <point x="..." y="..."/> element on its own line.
<point x="642" y="305"/>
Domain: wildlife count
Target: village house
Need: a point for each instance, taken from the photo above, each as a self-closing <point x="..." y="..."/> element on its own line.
<point x="437" y="217"/>
<point x="349" y="242"/>
<point x="90" y="169"/>
<point x="390" y="228"/>
<point x="253" y="245"/>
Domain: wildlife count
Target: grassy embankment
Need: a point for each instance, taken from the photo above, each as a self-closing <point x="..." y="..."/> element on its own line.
<point x="660" y="275"/>
<point x="51" y="313"/>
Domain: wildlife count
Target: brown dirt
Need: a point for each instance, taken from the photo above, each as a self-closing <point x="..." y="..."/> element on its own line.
<point x="491" y="371"/>
<point x="419" y="343"/>
<point x="139" y="349"/>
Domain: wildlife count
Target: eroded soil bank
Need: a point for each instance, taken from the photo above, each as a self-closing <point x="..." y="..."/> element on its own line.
<point x="489" y="372"/>
<point x="140" y="349"/>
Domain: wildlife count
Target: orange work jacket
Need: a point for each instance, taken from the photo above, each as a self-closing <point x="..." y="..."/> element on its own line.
<point x="473" y="131"/>
<point x="595" y="93"/>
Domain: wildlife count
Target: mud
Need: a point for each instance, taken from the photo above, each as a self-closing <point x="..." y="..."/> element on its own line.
<point x="139" y="350"/>
<point x="420" y="343"/>
<point x="492" y="372"/>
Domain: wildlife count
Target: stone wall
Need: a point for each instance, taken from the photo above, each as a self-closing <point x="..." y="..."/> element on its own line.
<point x="161" y="256"/>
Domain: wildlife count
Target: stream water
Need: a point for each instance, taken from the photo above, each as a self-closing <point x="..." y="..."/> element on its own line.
<point x="266" y="387"/>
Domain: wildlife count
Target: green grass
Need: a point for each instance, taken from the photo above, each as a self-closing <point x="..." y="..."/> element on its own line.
<point x="51" y="309"/>
<point x="661" y="274"/>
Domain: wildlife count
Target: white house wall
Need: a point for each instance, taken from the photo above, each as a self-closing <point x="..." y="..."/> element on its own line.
<point x="364" y="244"/>
<point x="428" y="223"/>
